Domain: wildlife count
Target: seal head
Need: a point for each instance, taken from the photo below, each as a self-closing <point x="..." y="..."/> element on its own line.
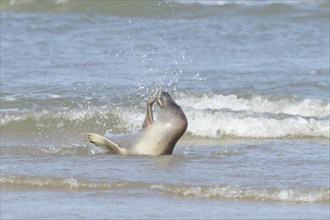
<point x="173" y="119"/>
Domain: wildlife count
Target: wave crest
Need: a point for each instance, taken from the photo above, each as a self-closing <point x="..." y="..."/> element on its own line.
<point x="210" y="116"/>
<point x="216" y="116"/>
<point x="295" y="194"/>
<point x="249" y="193"/>
<point x="261" y="104"/>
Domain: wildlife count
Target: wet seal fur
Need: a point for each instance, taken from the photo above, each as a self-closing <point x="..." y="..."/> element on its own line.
<point x="156" y="138"/>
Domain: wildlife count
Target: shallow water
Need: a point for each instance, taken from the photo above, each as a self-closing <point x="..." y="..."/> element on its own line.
<point x="252" y="78"/>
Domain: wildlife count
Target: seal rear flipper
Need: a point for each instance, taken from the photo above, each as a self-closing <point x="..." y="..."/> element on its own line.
<point x="104" y="143"/>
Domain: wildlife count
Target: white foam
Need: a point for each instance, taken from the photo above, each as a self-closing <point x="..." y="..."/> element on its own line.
<point x="71" y="115"/>
<point x="8" y="98"/>
<point x="287" y="105"/>
<point x="13" y="98"/>
<point x="229" y="123"/>
<point x="132" y="120"/>
<point x="250" y="193"/>
<point x="216" y="116"/>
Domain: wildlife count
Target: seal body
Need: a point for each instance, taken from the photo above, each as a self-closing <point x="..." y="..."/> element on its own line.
<point x="157" y="137"/>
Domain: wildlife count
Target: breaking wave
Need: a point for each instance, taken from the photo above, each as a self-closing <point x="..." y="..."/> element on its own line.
<point x="210" y="116"/>
<point x="256" y="116"/>
<point x="248" y="193"/>
<point x="293" y="194"/>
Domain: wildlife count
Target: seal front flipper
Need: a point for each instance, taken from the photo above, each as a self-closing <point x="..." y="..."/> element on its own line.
<point x="104" y="143"/>
<point x="149" y="119"/>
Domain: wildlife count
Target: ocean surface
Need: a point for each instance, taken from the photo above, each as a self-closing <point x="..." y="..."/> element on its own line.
<point x="251" y="76"/>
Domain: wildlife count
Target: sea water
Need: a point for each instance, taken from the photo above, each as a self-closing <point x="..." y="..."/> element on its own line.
<point x="251" y="76"/>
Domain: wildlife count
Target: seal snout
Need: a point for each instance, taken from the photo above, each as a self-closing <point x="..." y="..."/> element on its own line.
<point x="164" y="94"/>
<point x="161" y="101"/>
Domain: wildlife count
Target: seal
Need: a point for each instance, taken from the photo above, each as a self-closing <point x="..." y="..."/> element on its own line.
<point x="157" y="137"/>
